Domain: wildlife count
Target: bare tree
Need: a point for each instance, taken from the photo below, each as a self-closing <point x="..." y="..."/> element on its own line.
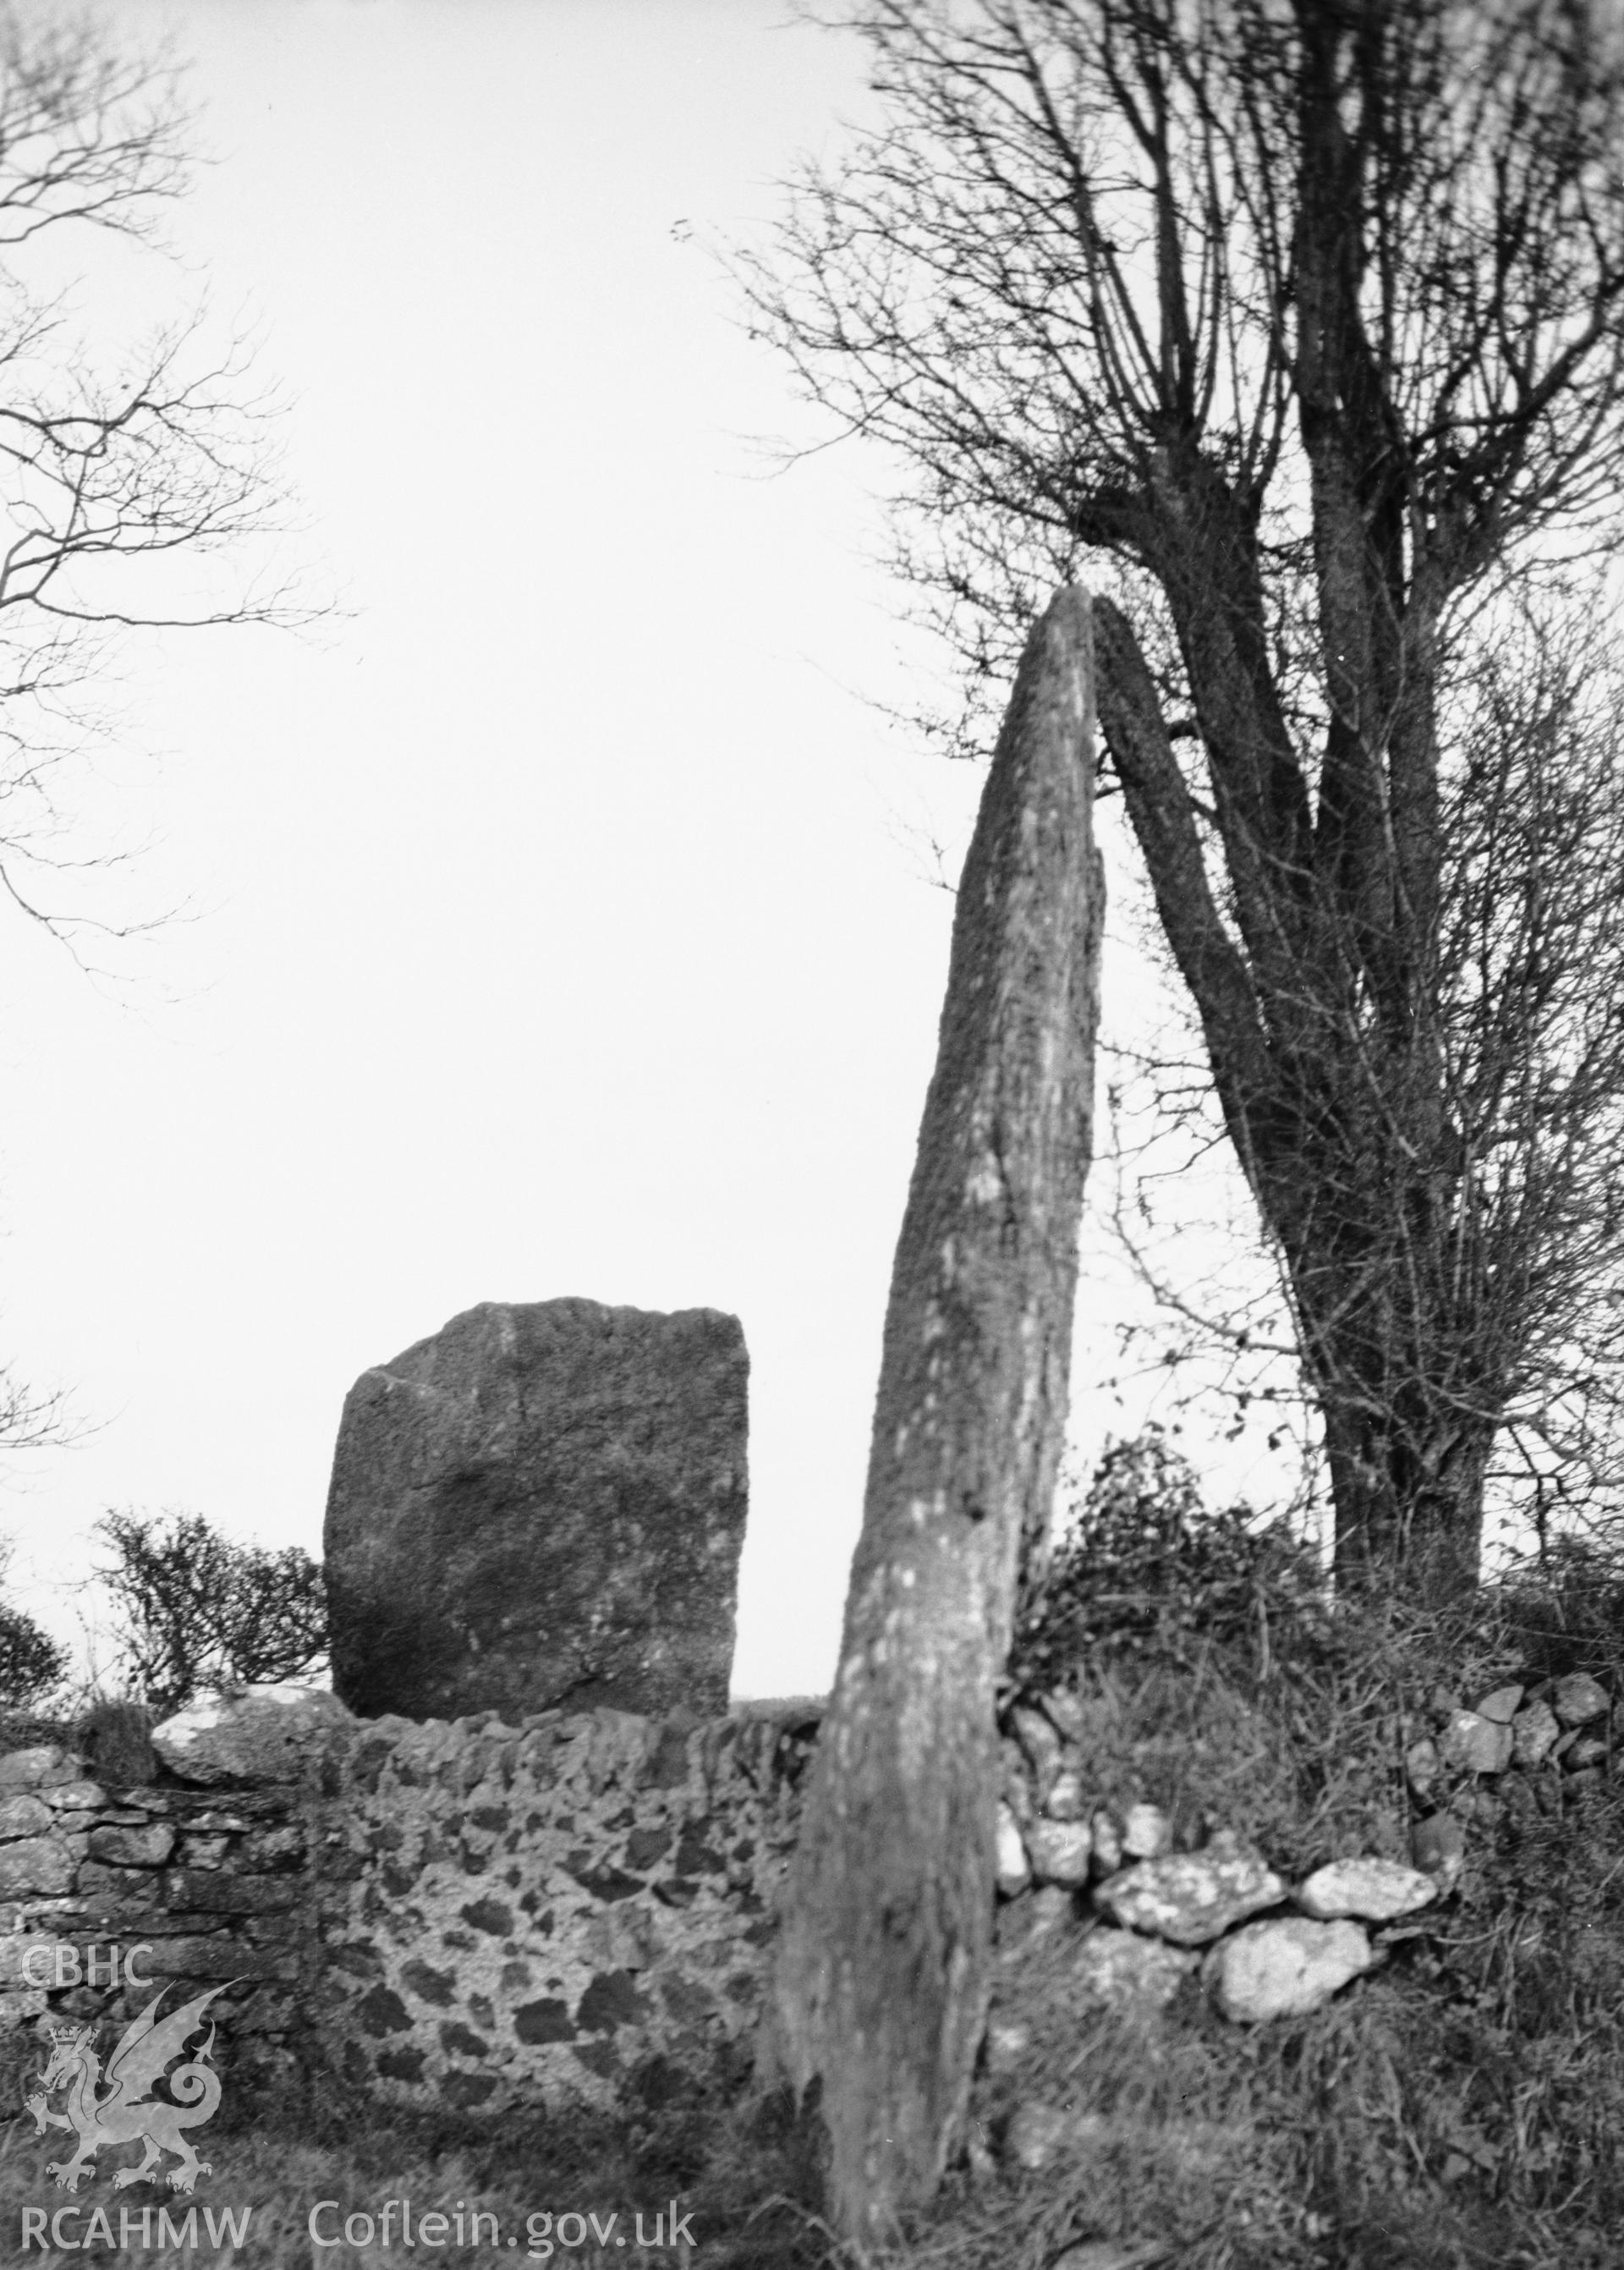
<point x="126" y="465"/>
<point x="1308" y="321"/>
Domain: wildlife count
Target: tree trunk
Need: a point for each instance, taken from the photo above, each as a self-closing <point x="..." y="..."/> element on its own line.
<point x="1408" y="1501"/>
<point x="881" y="1979"/>
<point x="1337" y="1113"/>
<point x="1408" y="1435"/>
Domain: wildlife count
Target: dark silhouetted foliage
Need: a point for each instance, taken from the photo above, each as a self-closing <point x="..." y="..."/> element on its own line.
<point x="31" y="1662"/>
<point x="1145" y="1568"/>
<point x="116" y="1737"/>
<point x="196" y="1610"/>
<point x="1566" y="1609"/>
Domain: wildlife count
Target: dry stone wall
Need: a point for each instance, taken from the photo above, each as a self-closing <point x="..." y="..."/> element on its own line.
<point x="565" y="1908"/>
<point x="469" y="1914"/>
<point x="106" y="1894"/>
<point x="475" y="1914"/>
<point x="1156" y="1901"/>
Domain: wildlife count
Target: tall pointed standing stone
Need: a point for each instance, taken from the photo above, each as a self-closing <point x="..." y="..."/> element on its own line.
<point x="881" y="1978"/>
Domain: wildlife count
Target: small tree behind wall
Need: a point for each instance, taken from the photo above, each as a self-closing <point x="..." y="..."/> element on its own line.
<point x="194" y="1609"/>
<point x="31" y="1661"/>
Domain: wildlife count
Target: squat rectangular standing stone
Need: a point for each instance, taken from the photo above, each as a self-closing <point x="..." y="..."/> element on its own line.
<point x="542" y="1504"/>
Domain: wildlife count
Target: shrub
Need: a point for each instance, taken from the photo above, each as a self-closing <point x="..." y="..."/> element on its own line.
<point x="115" y="1736"/>
<point x="31" y="1661"/>
<point x="1144" y="1567"/>
<point x="1565" y="1606"/>
<point x="194" y="1610"/>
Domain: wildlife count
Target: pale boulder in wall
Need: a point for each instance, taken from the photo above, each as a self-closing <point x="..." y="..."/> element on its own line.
<point x="266" y="1733"/>
<point x="1285" y="1969"/>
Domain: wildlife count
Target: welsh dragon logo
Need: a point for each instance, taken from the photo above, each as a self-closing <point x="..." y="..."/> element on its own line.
<point x="118" y="2107"/>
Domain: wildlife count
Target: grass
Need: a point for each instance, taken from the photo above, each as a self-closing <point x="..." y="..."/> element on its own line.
<point x="1463" y="2107"/>
<point x="744" y="2181"/>
<point x="1460" y="2108"/>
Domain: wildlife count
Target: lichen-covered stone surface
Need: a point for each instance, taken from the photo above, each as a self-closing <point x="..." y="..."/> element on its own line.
<point x="1473" y="1744"/>
<point x="1285" y="1968"/>
<point x="1375" y="1889"/>
<point x="260" y="1733"/>
<point x="1123" y="1971"/>
<point x="570" y="1907"/>
<point x="1192" y="1897"/>
<point x="542" y="1505"/>
<point x="1579" y="1699"/>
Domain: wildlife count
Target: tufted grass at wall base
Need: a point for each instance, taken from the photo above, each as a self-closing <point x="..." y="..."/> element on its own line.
<point x="725" y="2167"/>
<point x="1456" y="2110"/>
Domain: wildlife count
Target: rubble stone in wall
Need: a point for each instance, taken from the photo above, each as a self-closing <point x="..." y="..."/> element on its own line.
<point x="259" y="1734"/>
<point x="1438" y="1848"/>
<point x="23" y="1815"/>
<point x="1578" y="1698"/>
<point x="1285" y="1968"/>
<point x="1014" y="1871"/>
<point x="1107" y="1836"/>
<point x="1146" y="1832"/>
<point x="1039" y="1745"/>
<point x="79" y="1797"/>
<point x="1009" y="2042"/>
<point x="1068" y="1713"/>
<point x="127" y="1846"/>
<point x="1375" y="1891"/>
<point x="1059" y="1851"/>
<point x="1066" y="1799"/>
<point x="1015" y="1780"/>
<point x="28" y="1768"/>
<point x="1120" y="1970"/>
<point x="1192" y="1898"/>
<point x="1422" y="1766"/>
<point x="1535" y="1732"/>
<point x="1471" y="1744"/>
<point x="35" y="1865"/>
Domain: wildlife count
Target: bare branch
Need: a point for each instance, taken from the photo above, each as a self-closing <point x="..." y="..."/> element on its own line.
<point x="1304" y="328"/>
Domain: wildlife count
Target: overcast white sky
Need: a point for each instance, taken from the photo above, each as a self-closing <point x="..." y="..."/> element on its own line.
<point x="560" y="921"/>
